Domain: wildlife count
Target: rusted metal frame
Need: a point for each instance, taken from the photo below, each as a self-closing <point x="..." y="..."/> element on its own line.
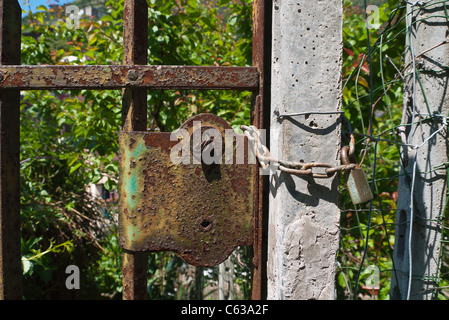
<point x="134" y="106"/>
<point x="259" y="118"/>
<point x="128" y="76"/>
<point x="134" y="118"/>
<point x="10" y="251"/>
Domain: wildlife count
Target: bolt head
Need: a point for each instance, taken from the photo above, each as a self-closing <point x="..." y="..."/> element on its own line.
<point x="132" y="75"/>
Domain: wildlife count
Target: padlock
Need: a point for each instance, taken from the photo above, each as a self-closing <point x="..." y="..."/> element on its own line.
<point x="356" y="182"/>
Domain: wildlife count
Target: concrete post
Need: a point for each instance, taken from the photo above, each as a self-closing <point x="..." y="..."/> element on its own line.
<point x="303" y="226"/>
<point x="422" y="189"/>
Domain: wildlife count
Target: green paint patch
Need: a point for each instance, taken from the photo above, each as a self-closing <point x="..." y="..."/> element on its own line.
<point x="133" y="233"/>
<point x="131" y="182"/>
<point x="131" y="191"/>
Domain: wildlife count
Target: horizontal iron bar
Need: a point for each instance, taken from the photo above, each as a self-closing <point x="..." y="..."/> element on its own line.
<point x="44" y="77"/>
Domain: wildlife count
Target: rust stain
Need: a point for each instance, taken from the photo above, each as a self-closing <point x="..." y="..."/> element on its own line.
<point x="116" y="77"/>
<point x="160" y="140"/>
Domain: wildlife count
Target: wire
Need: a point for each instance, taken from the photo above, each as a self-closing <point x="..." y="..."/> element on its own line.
<point x="370" y="127"/>
<point x="368" y="226"/>
<point x="411" y="215"/>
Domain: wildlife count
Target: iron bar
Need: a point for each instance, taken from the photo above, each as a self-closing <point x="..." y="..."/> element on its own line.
<point x="260" y="54"/>
<point x="10" y="251"/>
<point x="46" y="77"/>
<point x="134" y="118"/>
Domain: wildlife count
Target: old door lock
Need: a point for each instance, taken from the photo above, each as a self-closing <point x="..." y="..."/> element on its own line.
<point x="172" y="200"/>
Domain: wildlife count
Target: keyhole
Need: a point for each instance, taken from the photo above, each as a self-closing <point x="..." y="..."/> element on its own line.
<point x="206" y="224"/>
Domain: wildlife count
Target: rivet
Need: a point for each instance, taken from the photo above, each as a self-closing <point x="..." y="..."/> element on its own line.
<point x="132" y="75"/>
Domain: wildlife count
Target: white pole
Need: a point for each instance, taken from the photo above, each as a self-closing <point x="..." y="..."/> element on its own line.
<point x="422" y="186"/>
<point x="303" y="226"/>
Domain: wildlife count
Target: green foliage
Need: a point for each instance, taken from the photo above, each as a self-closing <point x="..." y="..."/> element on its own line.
<point x="69" y="138"/>
<point x="198" y="34"/>
<point x="370" y="78"/>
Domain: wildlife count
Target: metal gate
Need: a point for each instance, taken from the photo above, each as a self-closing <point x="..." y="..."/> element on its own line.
<point x="134" y="77"/>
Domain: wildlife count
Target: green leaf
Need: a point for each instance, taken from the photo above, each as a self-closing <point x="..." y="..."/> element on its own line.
<point x="107" y="18"/>
<point x="75" y="167"/>
<point x="341" y="279"/>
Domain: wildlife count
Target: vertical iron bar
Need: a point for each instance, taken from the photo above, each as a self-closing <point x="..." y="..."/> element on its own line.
<point x="135" y="46"/>
<point x="10" y="251"/>
<point x="261" y="18"/>
<point x="134" y="118"/>
<point x="135" y="266"/>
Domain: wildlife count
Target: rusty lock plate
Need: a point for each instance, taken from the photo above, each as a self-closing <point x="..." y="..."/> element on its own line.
<point x="200" y="211"/>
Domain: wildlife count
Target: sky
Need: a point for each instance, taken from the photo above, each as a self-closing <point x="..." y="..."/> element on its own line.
<point x="35" y="3"/>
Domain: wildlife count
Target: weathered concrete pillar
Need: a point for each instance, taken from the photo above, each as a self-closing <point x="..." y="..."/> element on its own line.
<point x="303" y="227"/>
<point x="422" y="186"/>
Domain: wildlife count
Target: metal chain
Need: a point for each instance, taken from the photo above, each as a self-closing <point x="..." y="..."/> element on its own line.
<point x="265" y="159"/>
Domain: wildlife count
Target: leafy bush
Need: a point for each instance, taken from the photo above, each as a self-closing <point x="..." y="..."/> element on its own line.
<point x="370" y="79"/>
